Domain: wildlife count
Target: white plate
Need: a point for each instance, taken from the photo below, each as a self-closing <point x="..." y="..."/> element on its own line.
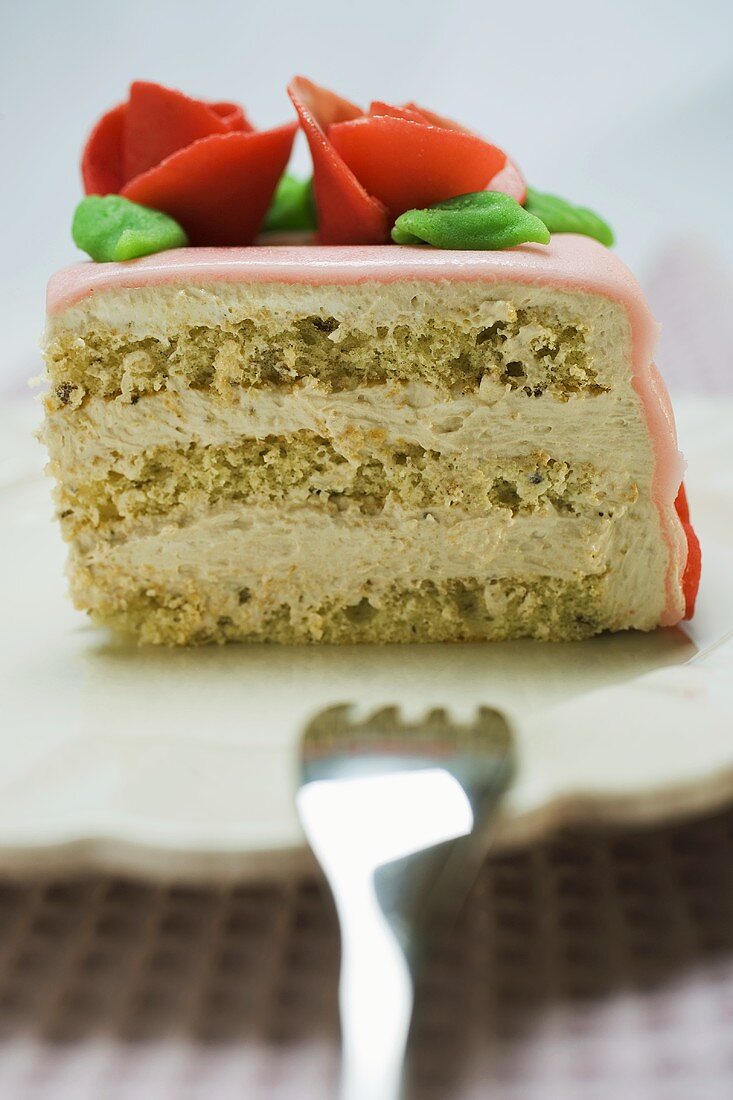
<point x="182" y="762"/>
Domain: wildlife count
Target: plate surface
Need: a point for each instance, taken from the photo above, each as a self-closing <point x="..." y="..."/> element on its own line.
<point x="182" y="762"/>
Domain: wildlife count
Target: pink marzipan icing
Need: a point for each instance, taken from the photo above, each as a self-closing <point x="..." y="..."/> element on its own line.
<point x="568" y="262"/>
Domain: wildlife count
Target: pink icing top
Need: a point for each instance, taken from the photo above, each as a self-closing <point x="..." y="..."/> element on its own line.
<point x="568" y="262"/>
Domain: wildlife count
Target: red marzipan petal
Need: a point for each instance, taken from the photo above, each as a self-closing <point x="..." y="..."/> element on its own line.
<point x="347" y="214"/>
<point x="102" y="170"/>
<point x="510" y="181"/>
<point x="440" y="120"/>
<point x="681" y="506"/>
<point x="220" y="187"/>
<point x="160" y="121"/>
<point x="693" y="569"/>
<point x="407" y="164"/>
<point x="233" y="117"/>
<point x="379" y="107"/>
<point x="693" y="565"/>
<point x="325" y="107"/>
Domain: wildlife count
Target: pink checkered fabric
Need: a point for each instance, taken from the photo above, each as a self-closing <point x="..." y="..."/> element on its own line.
<point x="588" y="967"/>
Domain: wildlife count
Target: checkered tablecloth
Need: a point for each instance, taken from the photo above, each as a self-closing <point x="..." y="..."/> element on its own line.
<point x="589" y="967"/>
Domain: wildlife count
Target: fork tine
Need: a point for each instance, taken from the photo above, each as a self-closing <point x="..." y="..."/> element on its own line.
<point x="384" y="720"/>
<point x="328" y="724"/>
<point x="490" y="722"/>
<point x="332" y="718"/>
<point x="436" y="719"/>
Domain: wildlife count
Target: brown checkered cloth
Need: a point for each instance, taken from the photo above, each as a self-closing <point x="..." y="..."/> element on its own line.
<point x="589" y="967"/>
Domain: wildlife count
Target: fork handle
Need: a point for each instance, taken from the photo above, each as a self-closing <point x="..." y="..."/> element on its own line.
<point x="376" y="997"/>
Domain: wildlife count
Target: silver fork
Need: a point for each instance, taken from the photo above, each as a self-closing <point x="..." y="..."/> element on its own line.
<point x="398" y="815"/>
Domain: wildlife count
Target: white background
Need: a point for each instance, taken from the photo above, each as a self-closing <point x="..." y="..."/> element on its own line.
<point x="625" y="106"/>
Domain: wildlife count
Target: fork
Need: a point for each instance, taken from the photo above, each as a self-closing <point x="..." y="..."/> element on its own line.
<point x="399" y="816"/>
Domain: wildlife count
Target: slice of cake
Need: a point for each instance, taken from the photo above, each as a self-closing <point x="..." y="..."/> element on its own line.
<point x="458" y="435"/>
<point x="364" y="444"/>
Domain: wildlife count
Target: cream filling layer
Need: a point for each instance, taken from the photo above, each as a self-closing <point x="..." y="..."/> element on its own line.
<point x="302" y="557"/>
<point x="494" y="422"/>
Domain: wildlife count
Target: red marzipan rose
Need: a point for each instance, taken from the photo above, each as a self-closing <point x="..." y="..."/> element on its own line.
<point x="204" y="164"/>
<point x="693" y="567"/>
<point x="369" y="168"/>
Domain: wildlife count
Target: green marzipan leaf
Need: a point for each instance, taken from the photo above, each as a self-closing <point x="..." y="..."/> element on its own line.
<point x="110" y="228"/>
<point x="479" y="220"/>
<point x="293" y="206"/>
<point x="561" y="216"/>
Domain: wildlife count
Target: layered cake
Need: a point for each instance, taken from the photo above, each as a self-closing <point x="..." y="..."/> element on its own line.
<point x="458" y="436"/>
